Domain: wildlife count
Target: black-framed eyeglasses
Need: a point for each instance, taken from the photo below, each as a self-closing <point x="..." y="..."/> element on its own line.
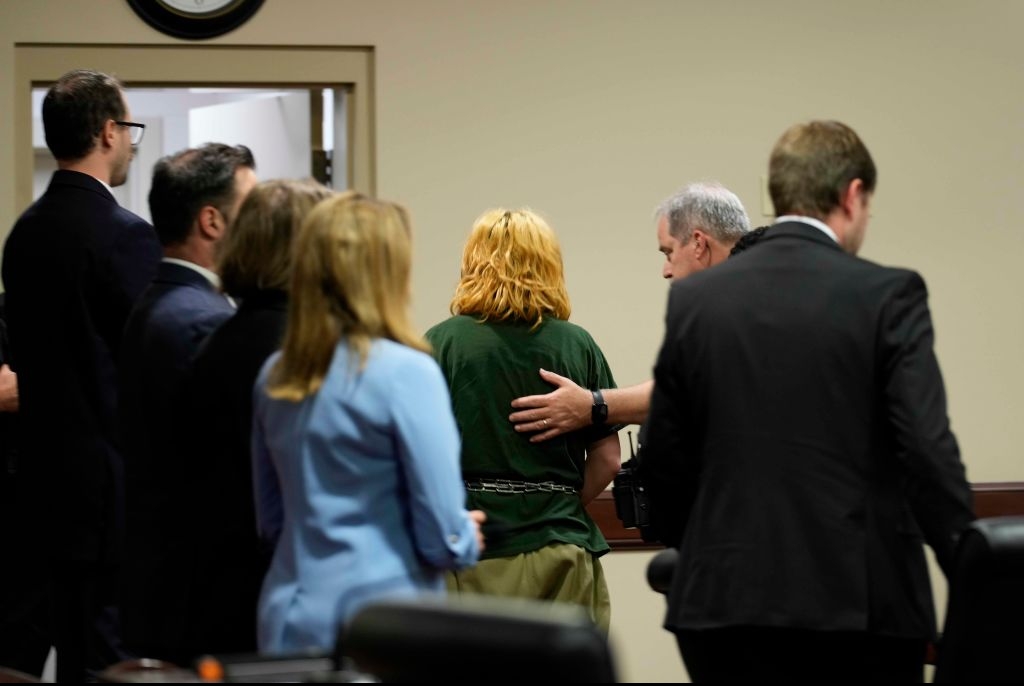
<point x="135" y="130"/>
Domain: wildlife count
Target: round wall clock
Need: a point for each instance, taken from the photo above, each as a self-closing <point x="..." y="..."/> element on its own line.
<point x="195" y="19"/>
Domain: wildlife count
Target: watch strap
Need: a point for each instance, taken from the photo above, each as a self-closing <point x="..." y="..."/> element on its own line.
<point x="599" y="411"/>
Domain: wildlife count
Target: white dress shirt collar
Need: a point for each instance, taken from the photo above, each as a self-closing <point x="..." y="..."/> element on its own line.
<point x="207" y="274"/>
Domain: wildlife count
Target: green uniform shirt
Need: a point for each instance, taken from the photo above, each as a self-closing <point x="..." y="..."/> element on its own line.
<point x="488" y="365"/>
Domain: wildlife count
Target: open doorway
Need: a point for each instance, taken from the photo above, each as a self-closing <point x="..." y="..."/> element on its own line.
<point x="225" y="76"/>
<point x="293" y="133"/>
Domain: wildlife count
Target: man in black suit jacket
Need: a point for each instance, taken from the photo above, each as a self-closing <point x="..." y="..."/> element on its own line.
<point x="73" y="266"/>
<point x="24" y="599"/>
<point x="194" y="198"/>
<point x="799" y="448"/>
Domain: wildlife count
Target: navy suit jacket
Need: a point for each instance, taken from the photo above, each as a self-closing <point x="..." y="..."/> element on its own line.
<point x="798" y="444"/>
<point x="73" y="265"/>
<point x="164" y="332"/>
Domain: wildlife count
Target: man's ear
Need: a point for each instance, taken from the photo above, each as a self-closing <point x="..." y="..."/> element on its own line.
<point x="108" y="134"/>
<point x="700" y="243"/>
<point x="851" y="198"/>
<point x="211" y="222"/>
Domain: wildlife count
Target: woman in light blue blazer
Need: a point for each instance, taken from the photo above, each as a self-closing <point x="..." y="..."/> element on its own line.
<point x="355" y="449"/>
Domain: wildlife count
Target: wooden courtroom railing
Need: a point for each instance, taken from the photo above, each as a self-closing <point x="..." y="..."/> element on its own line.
<point x="991" y="499"/>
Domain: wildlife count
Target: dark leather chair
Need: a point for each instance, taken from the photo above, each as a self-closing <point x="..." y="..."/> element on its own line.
<point x="13" y="676"/>
<point x="476" y="638"/>
<point x="984" y="625"/>
<point x="146" y="670"/>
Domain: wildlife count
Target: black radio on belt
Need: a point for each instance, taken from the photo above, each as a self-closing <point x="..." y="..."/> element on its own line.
<point x="632" y="505"/>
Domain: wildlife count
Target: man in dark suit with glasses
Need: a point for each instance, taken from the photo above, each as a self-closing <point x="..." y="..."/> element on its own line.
<point x="73" y="266"/>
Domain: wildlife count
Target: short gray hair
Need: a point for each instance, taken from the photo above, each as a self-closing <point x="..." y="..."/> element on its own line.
<point x="706" y="205"/>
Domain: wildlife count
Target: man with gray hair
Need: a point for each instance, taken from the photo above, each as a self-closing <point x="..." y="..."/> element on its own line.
<point x="697" y="227"/>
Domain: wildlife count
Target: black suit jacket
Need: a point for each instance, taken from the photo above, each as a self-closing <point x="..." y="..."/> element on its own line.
<point x="73" y="265"/>
<point x="232" y="561"/>
<point x="10" y="440"/>
<point x="799" y="447"/>
<point x="163" y="334"/>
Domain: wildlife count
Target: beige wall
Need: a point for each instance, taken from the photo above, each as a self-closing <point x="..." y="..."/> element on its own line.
<point x="591" y="111"/>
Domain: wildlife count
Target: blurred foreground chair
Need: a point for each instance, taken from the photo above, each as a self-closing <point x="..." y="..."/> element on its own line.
<point x="984" y="625"/>
<point x="474" y="638"/>
<point x="9" y="675"/>
<point x="146" y="670"/>
<point x="313" y="666"/>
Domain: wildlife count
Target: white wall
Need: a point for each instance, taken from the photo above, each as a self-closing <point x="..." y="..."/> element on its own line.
<point x="276" y="129"/>
<point x="274" y="123"/>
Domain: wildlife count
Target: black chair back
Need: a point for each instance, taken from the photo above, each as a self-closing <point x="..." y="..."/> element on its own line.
<point x="474" y="638"/>
<point x="984" y="625"/>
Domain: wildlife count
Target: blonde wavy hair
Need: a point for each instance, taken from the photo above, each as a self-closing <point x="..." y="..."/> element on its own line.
<point x="512" y="270"/>
<point x="350" y="281"/>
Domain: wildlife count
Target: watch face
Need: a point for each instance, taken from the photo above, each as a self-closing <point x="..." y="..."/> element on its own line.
<point x="195" y="19"/>
<point x="191" y="7"/>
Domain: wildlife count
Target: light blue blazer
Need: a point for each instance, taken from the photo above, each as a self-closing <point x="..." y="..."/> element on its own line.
<point x="360" y="487"/>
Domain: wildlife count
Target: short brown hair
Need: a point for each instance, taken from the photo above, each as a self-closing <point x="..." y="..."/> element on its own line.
<point x="76" y="109"/>
<point x="188" y="180"/>
<point x="813" y="163"/>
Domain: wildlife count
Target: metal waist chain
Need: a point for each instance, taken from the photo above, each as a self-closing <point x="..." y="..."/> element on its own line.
<point x="510" y="486"/>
